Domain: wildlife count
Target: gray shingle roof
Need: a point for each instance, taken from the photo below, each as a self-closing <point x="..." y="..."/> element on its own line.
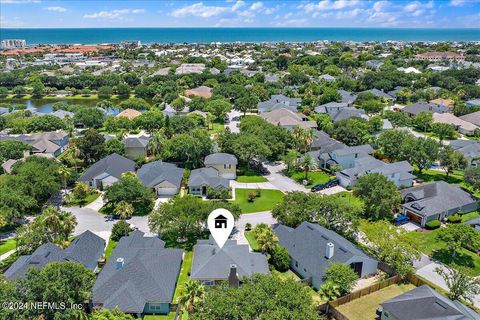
<point x="207" y="177"/>
<point x="279" y="101"/>
<point x="306" y="244"/>
<point x="347" y="97"/>
<point x="140" y="142"/>
<point x="220" y="158"/>
<point x="114" y="165"/>
<point x="347" y="113"/>
<point x="153" y="173"/>
<point x="149" y="274"/>
<point x="86" y="249"/>
<point x="211" y="262"/>
<point x="379" y="93"/>
<point x="425" y="303"/>
<point x="435" y="197"/>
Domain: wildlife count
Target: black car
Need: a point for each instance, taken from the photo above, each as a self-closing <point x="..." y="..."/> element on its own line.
<point x="259" y="167"/>
<point x="328" y="184"/>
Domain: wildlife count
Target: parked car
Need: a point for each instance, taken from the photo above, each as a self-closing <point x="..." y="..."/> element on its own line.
<point x="328" y="184"/>
<point x="259" y="167"/>
<point x="401" y="220"/>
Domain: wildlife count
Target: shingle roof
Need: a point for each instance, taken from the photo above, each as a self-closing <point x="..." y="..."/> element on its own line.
<point x="211" y="262"/>
<point x="425" y="303"/>
<point x="436" y="197"/>
<point x="149" y="274"/>
<point x="220" y="158"/>
<point x="114" y="165"/>
<point x="307" y="243"/>
<point x="133" y="142"/>
<point x="86" y="249"/>
<point x="153" y="173"/>
<point x="347" y="113"/>
<point x="347" y="97"/>
<point x="472" y="118"/>
<point x="207" y="177"/>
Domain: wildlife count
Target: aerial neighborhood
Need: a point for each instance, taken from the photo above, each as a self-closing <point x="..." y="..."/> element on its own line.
<point x="350" y="168"/>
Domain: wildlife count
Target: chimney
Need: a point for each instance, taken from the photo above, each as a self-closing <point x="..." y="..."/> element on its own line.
<point x="233" y="280"/>
<point x="119" y="263"/>
<point x="329" y="250"/>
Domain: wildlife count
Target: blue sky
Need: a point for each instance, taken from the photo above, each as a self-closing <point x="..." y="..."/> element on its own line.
<point x="238" y="13"/>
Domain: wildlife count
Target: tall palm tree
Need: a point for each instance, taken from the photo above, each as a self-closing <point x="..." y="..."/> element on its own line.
<point x="60" y="224"/>
<point x="64" y="173"/>
<point x="124" y="210"/>
<point x="192" y="295"/>
<point x="157" y="142"/>
<point x="307" y="164"/>
<point x="75" y="151"/>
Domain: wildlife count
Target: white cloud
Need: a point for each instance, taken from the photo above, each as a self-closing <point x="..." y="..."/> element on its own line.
<point x="113" y="14"/>
<point x="18" y="1"/>
<point x="15" y="23"/>
<point x="238" y="5"/>
<point x="199" y="10"/>
<point x="457" y="3"/>
<point x="330" y="5"/>
<point x="56" y="9"/>
<point x="256" y="6"/>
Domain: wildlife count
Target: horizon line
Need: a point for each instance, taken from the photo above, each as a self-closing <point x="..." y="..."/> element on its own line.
<point x="247" y="27"/>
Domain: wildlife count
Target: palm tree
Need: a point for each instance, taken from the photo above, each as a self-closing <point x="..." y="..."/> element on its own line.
<point x="157" y="142"/>
<point x="266" y="240"/>
<point x="192" y="294"/>
<point x="121" y="134"/>
<point x="303" y="138"/>
<point x="60" y="224"/>
<point x="124" y="210"/>
<point x="75" y="152"/>
<point x="307" y="164"/>
<point x="64" y="173"/>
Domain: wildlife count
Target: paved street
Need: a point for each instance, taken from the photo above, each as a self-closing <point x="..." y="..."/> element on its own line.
<point x="281" y="181"/>
<point x="232" y="125"/>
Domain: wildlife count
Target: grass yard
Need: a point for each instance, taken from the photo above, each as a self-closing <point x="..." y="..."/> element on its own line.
<point x="252" y="241"/>
<point x="292" y="275"/>
<point x="430" y="245"/>
<point x="268" y="199"/>
<point x="184" y="275"/>
<point x="110" y="247"/>
<point x="216" y="128"/>
<point x="169" y="316"/>
<point x="365" y="307"/>
<point x="469" y="216"/>
<point x="314" y="177"/>
<point x="89" y="199"/>
<point x="8" y="245"/>
<point x="248" y="175"/>
<point x="427" y="175"/>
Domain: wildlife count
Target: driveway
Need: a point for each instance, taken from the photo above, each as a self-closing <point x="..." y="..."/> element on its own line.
<point x="254" y="219"/>
<point x="280" y="181"/>
<point x="251" y="185"/>
<point x="232" y="125"/>
<point x="96" y="204"/>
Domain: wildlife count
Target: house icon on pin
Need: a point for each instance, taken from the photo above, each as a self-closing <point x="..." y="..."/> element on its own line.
<point x="220" y="222"/>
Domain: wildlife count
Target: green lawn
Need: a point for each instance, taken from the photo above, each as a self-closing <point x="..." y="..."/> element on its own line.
<point x="314" y="177"/>
<point x="89" y="199"/>
<point x="267" y="200"/>
<point x="252" y="241"/>
<point x="430" y="245"/>
<point x="169" y="316"/>
<point x="289" y="274"/>
<point x="110" y="247"/>
<point x="365" y="307"/>
<point x="216" y="128"/>
<point x="470" y="216"/>
<point x="248" y="175"/>
<point x="427" y="175"/>
<point x="184" y="275"/>
<point x="8" y="245"/>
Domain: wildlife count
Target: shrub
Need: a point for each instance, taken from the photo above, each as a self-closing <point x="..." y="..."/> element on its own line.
<point x="251" y="196"/>
<point x="280" y="258"/>
<point x="258" y="192"/>
<point x="433" y="224"/>
<point x="341" y="275"/>
<point x="120" y="229"/>
<point x="218" y="193"/>
<point x="454" y="218"/>
<point x="248" y="226"/>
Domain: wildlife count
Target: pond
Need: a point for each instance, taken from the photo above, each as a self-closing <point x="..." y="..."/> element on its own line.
<point x="45" y="105"/>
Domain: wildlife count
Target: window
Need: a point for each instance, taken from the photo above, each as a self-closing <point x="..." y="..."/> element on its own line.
<point x="208" y="282"/>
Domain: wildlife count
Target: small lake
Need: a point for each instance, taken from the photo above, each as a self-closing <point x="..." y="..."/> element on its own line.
<point x="45" y="106"/>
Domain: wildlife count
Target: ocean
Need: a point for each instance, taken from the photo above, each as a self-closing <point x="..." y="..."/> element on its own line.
<point x="207" y="35"/>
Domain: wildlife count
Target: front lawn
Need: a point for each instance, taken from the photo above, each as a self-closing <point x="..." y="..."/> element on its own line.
<point x="365" y="307"/>
<point x="267" y="200"/>
<point x="314" y="177"/>
<point x="170" y="316"/>
<point x="252" y="241"/>
<point x="430" y="245"/>
<point x="6" y="246"/>
<point x="247" y="175"/>
<point x="184" y="275"/>
<point x="83" y="202"/>
<point x="469" y="216"/>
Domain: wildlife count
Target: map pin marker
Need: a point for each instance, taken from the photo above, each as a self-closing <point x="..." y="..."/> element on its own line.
<point x="220" y="223"/>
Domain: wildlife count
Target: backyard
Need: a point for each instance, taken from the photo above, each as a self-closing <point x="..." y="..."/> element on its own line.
<point x="184" y="275"/>
<point x="365" y="307"/>
<point x="267" y="200"/>
<point x="314" y="177"/>
<point x="430" y="245"/>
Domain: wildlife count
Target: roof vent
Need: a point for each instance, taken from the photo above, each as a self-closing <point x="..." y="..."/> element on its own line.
<point x="329" y="250"/>
<point x="119" y="263"/>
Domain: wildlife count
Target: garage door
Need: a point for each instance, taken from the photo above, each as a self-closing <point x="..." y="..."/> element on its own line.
<point x="167" y="191"/>
<point x="414" y="217"/>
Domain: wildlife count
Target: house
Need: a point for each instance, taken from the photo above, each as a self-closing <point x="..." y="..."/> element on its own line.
<point x="475" y="223"/>
<point x="163" y="177"/>
<point x="425" y="303"/>
<point x="107" y="171"/>
<point x="272" y="78"/>
<point x="279" y="101"/>
<point x="170" y="112"/>
<point x="462" y="126"/>
<point x="409" y="70"/>
<point x="327" y="78"/>
<point x="62" y="114"/>
<point x="399" y="173"/>
<point x="288" y="119"/>
<point x="130" y="114"/>
<point x="347" y="113"/>
<point x="448" y="103"/>
<point x="313" y="248"/>
<point x="202" y="92"/>
<point x="334" y="153"/>
<point x="331" y="108"/>
<point x="473" y="117"/>
<point x="139" y="277"/>
<point x="86" y="249"/>
<point x="321" y="140"/>
<point x="347" y="97"/>
<point x="186" y="68"/>
<point x="435" y="201"/>
<point x="395" y="91"/>
<point x="380" y="94"/>
<point x="469" y="148"/>
<point x="224" y="163"/>
<point x="472" y="103"/>
<point x="424" y="107"/>
<point x="136" y="147"/>
<point x="203" y="178"/>
<point x="212" y="265"/>
<point x="52" y="143"/>
<point x="374" y="64"/>
<point x="440" y="56"/>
